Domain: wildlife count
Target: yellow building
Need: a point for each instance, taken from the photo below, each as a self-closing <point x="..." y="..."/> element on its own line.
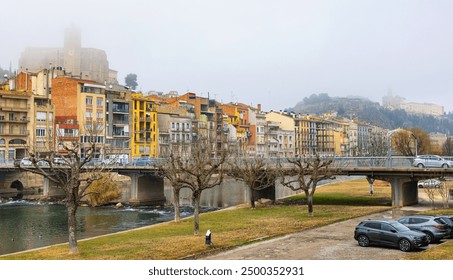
<point x="144" y="141"/>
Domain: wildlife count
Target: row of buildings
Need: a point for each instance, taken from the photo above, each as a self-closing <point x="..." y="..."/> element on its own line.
<point x="40" y="109"/>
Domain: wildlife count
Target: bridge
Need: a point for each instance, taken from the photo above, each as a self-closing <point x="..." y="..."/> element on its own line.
<point x="147" y="188"/>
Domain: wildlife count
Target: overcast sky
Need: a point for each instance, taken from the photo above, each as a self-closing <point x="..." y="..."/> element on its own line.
<point x="269" y="52"/>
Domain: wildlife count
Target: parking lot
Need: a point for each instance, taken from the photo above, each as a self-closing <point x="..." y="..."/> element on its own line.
<point x="331" y="242"/>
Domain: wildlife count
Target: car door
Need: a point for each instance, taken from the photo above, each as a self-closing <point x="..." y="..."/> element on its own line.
<point x="388" y="235"/>
<point x="373" y="231"/>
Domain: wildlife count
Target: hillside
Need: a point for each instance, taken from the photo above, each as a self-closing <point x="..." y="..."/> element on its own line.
<point x="372" y="112"/>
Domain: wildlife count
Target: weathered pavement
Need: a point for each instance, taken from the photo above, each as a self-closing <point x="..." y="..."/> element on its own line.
<point x="331" y="242"/>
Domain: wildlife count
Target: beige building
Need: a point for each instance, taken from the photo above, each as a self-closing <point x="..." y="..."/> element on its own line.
<point x="423" y="108"/>
<point x="283" y="136"/>
<point x="16" y="119"/>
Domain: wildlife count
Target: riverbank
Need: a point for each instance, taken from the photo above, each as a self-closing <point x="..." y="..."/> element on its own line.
<point x="230" y="228"/>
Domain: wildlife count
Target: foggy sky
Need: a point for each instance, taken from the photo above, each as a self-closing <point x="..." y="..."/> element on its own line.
<point x="269" y="52"/>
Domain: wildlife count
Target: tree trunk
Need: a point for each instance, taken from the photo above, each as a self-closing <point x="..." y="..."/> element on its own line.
<point x="309" y="203"/>
<point x="176" y="204"/>
<point x="196" y="213"/>
<point x="252" y="198"/>
<point x="71" y="209"/>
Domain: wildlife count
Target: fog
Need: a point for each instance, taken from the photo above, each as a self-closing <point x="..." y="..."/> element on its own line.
<point x="269" y="52"/>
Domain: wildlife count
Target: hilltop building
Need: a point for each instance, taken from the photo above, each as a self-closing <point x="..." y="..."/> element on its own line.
<point x="85" y="63"/>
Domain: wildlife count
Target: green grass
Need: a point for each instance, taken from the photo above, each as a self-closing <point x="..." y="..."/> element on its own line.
<point x="231" y="228"/>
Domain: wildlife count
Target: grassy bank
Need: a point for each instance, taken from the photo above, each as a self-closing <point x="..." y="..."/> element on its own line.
<point x="232" y="227"/>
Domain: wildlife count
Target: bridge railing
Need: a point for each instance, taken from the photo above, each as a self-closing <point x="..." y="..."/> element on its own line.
<point x="337" y="162"/>
<point x="389" y="162"/>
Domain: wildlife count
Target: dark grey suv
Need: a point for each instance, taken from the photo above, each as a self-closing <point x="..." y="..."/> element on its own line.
<point x="389" y="233"/>
<point x="434" y="227"/>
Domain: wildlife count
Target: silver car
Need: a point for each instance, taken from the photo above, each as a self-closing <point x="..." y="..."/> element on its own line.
<point x="432" y="161"/>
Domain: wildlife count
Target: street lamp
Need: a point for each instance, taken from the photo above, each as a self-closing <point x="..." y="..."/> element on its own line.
<point x="389" y="154"/>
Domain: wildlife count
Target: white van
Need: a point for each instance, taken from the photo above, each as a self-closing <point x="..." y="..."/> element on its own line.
<point x="118" y="159"/>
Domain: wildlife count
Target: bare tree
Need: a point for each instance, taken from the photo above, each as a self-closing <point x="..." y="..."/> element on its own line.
<point x="405" y="141"/>
<point x="201" y="172"/>
<point x="256" y="173"/>
<point x="305" y="173"/>
<point x="447" y="147"/>
<point x="431" y="193"/>
<point x="70" y="172"/>
<point x="444" y="192"/>
<point x="170" y="169"/>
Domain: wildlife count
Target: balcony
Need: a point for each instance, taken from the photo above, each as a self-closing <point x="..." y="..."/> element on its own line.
<point x="120" y="111"/>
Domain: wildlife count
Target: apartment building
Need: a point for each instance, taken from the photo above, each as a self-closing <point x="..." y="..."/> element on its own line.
<point x="117" y="120"/>
<point x="15" y="124"/>
<point x="175" y="135"/>
<point x="280" y="132"/>
<point x="144" y="139"/>
<point x="80" y="112"/>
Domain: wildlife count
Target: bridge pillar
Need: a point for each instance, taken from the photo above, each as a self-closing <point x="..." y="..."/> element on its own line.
<point x="404" y="192"/>
<point x="371" y="182"/>
<point x="146" y="189"/>
<point x="50" y="190"/>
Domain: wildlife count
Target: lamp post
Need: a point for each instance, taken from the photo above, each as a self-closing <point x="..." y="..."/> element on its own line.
<point x="389" y="154"/>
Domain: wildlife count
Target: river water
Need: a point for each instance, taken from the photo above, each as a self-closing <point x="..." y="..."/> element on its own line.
<point x="26" y="225"/>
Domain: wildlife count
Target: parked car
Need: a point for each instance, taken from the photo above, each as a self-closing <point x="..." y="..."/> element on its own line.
<point x="430" y="183"/>
<point x="119" y="159"/>
<point x="59" y="161"/>
<point x="423" y="161"/>
<point x="23" y="162"/>
<point x="434" y="227"/>
<point x="389" y="233"/>
<point x="449" y="221"/>
<point x="143" y="161"/>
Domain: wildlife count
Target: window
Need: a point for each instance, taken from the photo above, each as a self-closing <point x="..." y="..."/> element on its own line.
<point x="2" y="129"/>
<point x="88" y="114"/>
<point x="89" y="101"/>
<point x="99" y="102"/>
<point x="41" y="116"/>
<point x="2" y="118"/>
<point x="23" y="130"/>
<point x="99" y="115"/>
<point x="373" y="225"/>
<point x="40" y="131"/>
<point x="387" y="227"/>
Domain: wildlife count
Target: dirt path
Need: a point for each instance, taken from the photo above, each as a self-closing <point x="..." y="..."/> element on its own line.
<point x="331" y="242"/>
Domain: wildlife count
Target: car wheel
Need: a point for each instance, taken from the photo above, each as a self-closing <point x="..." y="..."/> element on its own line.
<point x="405" y="245"/>
<point x="429" y="237"/>
<point x="444" y="165"/>
<point x="363" y="240"/>
<point x="420" y="165"/>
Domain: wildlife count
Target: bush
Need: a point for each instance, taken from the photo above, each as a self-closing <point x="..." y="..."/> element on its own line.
<point x="103" y="191"/>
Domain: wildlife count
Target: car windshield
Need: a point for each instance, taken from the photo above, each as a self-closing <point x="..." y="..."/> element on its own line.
<point x="400" y="227"/>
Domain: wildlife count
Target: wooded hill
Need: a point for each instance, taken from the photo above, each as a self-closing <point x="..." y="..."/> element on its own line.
<point x="372" y="112"/>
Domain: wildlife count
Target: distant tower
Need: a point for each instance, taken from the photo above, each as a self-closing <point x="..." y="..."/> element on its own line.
<point x="72" y="50"/>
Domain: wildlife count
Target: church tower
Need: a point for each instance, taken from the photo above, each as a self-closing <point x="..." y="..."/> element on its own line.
<point x="72" y="50"/>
